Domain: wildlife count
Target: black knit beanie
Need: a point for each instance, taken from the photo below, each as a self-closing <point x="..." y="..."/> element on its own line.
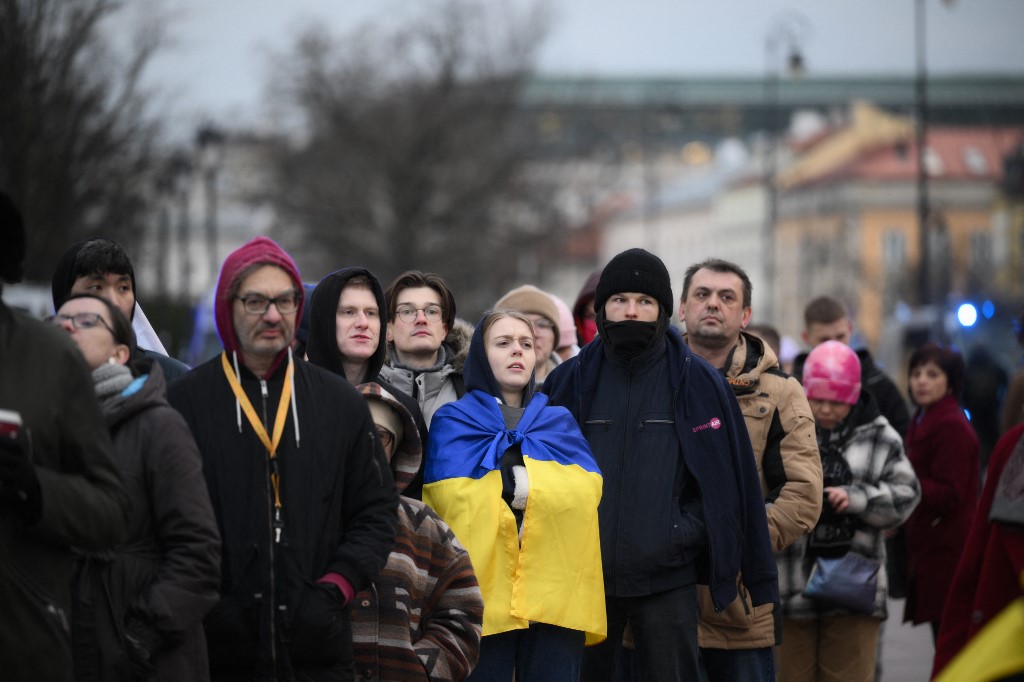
<point x="635" y="270"/>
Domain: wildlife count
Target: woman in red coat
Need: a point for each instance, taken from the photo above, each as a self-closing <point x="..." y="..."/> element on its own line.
<point x="943" y="448"/>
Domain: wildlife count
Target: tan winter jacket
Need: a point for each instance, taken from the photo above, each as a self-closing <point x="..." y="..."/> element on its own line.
<point x="781" y="431"/>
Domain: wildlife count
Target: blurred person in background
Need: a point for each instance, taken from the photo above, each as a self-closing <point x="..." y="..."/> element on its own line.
<point x="991" y="567"/>
<point x="583" y="310"/>
<point x="566" y="346"/>
<point x="59" y="484"/>
<point x="139" y="610"/>
<point x="985" y="383"/>
<point x="869" y="486"/>
<point x="1013" y="405"/>
<point x="516" y="481"/>
<point x="421" y="617"/>
<point x="943" y="448"/>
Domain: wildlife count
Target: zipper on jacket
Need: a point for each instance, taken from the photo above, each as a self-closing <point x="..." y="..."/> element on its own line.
<point x="274" y="532"/>
<point x="644" y="422"/>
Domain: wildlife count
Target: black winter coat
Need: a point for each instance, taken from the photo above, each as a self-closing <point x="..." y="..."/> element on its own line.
<point x="44" y="378"/>
<point x="163" y="580"/>
<point x="338" y="514"/>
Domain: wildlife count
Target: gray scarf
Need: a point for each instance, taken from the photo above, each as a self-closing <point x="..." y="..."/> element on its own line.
<point x="109" y="380"/>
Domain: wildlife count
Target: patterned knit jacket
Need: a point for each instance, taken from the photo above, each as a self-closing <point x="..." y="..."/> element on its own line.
<point x="421" y="619"/>
<point x="883" y="492"/>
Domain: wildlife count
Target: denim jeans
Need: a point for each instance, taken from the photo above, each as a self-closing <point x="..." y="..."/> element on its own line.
<point x="728" y="665"/>
<point x="664" y="631"/>
<point x="542" y="653"/>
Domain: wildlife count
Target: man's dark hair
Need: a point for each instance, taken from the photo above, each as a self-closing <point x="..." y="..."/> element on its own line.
<point x="94" y="256"/>
<point x="414" y="279"/>
<point x="719" y="265"/>
<point x="823" y="310"/>
<point x="950" y="361"/>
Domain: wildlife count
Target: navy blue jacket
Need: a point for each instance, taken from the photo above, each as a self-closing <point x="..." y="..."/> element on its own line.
<point x="717" y="456"/>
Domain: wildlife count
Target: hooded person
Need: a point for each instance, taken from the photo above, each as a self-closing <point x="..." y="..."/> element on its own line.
<point x="566" y="345"/>
<point x="583" y="310"/>
<point x="305" y="502"/>
<point x="421" y="617"/>
<point x="101" y="266"/>
<point x="542" y="312"/>
<point x="363" y="339"/>
<point x="515" y="480"/>
<point x="668" y="425"/>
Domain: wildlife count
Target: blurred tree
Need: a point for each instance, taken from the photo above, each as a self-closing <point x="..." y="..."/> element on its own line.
<point x="411" y="151"/>
<point x="75" y="139"/>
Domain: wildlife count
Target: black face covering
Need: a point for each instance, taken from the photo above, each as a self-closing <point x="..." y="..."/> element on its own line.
<point x="629" y="338"/>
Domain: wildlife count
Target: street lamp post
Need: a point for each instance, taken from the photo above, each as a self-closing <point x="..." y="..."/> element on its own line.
<point x="210" y="144"/>
<point x="788" y="31"/>
<point x="181" y="171"/>
<point x="921" y="141"/>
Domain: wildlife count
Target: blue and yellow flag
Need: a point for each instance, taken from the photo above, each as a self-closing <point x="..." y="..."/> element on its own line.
<point x="554" y="574"/>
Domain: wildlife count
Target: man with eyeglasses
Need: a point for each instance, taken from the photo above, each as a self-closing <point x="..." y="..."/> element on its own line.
<point x="427" y="345"/>
<point x="540" y="308"/>
<point x="305" y="502"/>
<point x="59" y="485"/>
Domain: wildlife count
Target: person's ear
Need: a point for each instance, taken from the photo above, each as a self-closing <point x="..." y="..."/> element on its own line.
<point x="121" y="354"/>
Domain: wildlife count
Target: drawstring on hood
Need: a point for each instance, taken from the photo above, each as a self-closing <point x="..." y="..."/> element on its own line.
<point x="257" y="251"/>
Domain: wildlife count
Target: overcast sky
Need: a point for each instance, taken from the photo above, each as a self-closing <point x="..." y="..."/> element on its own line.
<point x="216" y="68"/>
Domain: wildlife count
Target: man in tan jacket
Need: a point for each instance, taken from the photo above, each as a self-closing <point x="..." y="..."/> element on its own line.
<point x="736" y="643"/>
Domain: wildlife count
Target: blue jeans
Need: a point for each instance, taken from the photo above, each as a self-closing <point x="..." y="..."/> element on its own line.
<point x="726" y="665"/>
<point x="542" y="652"/>
<point x="664" y="631"/>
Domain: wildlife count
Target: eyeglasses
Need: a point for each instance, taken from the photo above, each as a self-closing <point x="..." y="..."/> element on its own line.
<point x="82" y="321"/>
<point x="255" y="304"/>
<point x="408" y="313"/>
<point x="543" y="323"/>
<point x="386" y="437"/>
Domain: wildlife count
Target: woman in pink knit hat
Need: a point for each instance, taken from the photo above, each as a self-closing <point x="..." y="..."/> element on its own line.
<point x="869" y="486"/>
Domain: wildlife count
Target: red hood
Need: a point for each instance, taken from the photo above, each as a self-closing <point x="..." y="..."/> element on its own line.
<point x="260" y="250"/>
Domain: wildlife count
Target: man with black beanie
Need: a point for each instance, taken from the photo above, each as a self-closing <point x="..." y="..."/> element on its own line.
<point x="682" y="502"/>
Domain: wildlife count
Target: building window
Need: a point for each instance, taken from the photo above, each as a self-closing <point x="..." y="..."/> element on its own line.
<point x="981" y="251"/>
<point x="894" y="249"/>
<point x="975" y="161"/>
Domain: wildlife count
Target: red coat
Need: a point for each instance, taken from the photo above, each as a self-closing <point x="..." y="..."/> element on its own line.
<point x="943" y="448"/>
<point x="987" y="578"/>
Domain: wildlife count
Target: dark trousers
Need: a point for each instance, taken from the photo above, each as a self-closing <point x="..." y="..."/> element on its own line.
<point x="538" y="654"/>
<point x="664" y="632"/>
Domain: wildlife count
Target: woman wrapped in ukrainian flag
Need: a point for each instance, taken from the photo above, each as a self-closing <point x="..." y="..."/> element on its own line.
<point x="516" y="481"/>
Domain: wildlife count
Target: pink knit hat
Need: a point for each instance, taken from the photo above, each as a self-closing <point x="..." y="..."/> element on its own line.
<point x="832" y="372"/>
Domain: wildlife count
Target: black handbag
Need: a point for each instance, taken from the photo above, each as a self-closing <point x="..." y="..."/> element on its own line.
<point x="848" y="581"/>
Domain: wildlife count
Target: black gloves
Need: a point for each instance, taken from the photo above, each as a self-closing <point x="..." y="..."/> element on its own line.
<point x="19" y="486"/>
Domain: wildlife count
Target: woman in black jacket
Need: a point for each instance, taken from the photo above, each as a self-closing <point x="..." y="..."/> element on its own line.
<point x="139" y="608"/>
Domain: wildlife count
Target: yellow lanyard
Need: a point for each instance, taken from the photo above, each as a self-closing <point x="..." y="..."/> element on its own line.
<point x="257" y="425"/>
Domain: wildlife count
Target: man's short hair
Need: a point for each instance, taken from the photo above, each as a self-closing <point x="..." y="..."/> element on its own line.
<point x="719" y="265"/>
<point x="823" y="310"/>
<point x="414" y="279"/>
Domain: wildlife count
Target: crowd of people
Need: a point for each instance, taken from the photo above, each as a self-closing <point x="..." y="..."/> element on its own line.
<point x="364" y="485"/>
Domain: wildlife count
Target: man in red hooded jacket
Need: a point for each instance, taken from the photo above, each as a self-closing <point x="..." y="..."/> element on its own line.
<point x="305" y="501"/>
